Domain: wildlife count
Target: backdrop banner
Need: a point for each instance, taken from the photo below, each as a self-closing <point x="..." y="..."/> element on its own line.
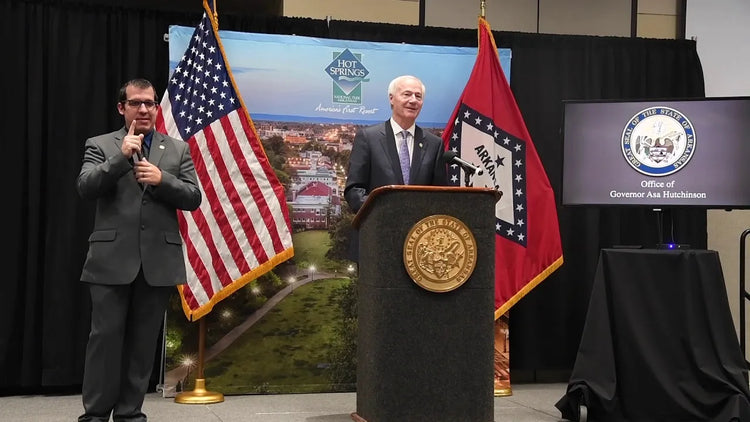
<point x="293" y="329"/>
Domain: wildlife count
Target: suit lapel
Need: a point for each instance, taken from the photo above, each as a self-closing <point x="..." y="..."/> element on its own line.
<point x="389" y="146"/>
<point x="158" y="146"/>
<point x="119" y="137"/>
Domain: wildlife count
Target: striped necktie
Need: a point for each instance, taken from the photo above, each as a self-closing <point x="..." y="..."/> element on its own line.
<point x="403" y="156"/>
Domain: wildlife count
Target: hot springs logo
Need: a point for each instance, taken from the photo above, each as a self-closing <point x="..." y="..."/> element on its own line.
<point x="348" y="73"/>
<point x="658" y="141"/>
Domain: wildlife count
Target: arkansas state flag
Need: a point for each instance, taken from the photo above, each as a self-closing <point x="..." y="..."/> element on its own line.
<point x="487" y="129"/>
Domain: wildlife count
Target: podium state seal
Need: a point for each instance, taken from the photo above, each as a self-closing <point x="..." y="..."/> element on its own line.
<point x="440" y="253"/>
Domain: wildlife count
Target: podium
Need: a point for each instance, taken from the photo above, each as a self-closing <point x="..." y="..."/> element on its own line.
<point x="425" y="354"/>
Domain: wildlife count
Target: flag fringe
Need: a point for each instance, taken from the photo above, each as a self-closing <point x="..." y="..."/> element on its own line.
<point x="483" y="22"/>
<point x="226" y="291"/>
<point x="212" y="12"/>
<point x="528" y="287"/>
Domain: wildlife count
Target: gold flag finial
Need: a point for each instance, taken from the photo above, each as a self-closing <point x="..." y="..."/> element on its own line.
<point x="482" y="8"/>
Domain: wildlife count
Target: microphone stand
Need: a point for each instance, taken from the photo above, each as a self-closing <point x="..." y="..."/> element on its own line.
<point x="467" y="176"/>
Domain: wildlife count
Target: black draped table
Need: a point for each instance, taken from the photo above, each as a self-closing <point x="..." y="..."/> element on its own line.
<point x="658" y="343"/>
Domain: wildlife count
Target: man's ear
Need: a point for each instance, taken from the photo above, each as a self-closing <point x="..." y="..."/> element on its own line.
<point x="121" y="108"/>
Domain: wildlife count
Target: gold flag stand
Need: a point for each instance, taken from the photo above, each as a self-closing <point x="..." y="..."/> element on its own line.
<point x="200" y="395"/>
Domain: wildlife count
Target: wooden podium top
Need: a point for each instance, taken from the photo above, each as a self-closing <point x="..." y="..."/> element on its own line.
<point x="367" y="206"/>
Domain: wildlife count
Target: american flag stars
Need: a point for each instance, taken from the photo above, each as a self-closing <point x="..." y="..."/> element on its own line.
<point x="199" y="89"/>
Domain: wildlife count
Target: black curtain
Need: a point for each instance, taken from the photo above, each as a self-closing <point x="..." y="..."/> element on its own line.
<point x="545" y="326"/>
<point x="66" y="61"/>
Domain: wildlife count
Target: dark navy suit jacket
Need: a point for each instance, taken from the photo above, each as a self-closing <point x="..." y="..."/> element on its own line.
<point x="374" y="162"/>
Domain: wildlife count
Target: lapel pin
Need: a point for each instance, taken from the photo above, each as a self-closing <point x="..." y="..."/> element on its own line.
<point x="420" y="145"/>
<point x="162" y="146"/>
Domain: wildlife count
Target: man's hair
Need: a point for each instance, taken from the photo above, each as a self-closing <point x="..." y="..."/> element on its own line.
<point x="396" y="81"/>
<point x="138" y="83"/>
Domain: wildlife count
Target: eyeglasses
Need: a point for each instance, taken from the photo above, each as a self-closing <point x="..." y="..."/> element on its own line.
<point x="150" y="105"/>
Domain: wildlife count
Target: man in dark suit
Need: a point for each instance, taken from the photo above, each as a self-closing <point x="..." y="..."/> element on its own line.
<point x="139" y="179"/>
<point x="376" y="161"/>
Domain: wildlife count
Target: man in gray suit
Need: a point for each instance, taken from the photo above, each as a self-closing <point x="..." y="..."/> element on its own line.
<point x="139" y="179"/>
<point x="375" y="158"/>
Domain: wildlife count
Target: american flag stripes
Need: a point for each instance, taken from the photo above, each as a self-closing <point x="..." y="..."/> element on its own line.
<point x="241" y="229"/>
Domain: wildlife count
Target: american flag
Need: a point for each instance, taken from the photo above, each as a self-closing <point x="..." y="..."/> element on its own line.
<point x="241" y="229"/>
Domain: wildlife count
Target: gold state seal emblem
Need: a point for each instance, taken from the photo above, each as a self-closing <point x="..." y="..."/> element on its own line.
<point x="440" y="253"/>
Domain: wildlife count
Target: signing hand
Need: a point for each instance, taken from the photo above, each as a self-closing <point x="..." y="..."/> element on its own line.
<point x="131" y="143"/>
<point x="147" y="173"/>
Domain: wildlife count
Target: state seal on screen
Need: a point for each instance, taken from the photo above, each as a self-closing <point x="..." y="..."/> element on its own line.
<point x="440" y="253"/>
<point x="658" y="141"/>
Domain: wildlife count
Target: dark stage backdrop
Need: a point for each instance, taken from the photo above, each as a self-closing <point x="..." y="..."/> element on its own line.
<point x="65" y="62"/>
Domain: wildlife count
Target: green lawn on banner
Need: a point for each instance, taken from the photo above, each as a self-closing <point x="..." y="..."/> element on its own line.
<point x="285" y="351"/>
<point x="310" y="248"/>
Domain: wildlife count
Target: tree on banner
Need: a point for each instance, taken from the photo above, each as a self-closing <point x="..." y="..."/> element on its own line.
<point x="487" y="129"/>
<point x="242" y="228"/>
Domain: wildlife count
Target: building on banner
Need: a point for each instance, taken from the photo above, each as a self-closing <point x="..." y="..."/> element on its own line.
<point x="291" y="321"/>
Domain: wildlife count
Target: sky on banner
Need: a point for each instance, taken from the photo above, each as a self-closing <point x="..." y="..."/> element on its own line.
<point x="285" y="77"/>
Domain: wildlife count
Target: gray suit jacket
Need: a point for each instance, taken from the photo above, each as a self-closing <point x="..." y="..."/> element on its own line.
<point x="136" y="227"/>
<point x="374" y="162"/>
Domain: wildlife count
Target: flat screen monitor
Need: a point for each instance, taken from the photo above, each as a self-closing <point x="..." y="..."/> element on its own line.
<point x="658" y="153"/>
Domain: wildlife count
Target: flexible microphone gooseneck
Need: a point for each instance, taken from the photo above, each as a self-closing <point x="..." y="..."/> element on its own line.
<point x="451" y="157"/>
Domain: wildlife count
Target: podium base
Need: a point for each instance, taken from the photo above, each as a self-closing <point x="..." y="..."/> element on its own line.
<point x="199" y="395"/>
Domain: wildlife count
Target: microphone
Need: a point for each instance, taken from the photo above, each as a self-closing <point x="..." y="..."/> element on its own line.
<point x="139" y="153"/>
<point x="451" y="157"/>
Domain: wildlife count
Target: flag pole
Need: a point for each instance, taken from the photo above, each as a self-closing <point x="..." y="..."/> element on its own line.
<point x="199" y="395"/>
<point x="502" y="387"/>
<point x="214" y="8"/>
